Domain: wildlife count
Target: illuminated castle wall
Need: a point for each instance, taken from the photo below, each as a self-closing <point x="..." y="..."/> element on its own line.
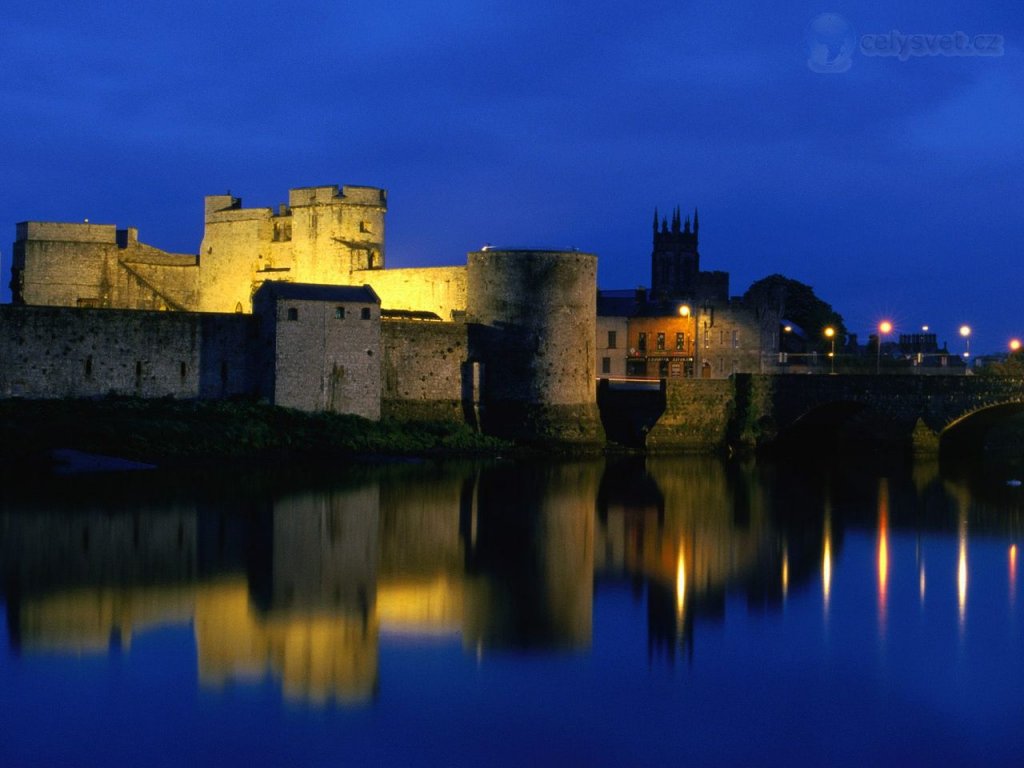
<point x="433" y="348"/>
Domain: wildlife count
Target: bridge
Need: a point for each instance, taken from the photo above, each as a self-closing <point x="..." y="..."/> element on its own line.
<point x="756" y="411"/>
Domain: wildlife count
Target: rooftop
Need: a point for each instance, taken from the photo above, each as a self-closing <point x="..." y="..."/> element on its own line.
<point x="312" y="292"/>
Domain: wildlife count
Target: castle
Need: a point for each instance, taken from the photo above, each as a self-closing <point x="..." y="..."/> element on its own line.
<point x="296" y="306"/>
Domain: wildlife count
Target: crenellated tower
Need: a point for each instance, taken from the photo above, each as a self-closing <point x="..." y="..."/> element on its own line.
<point x="675" y="260"/>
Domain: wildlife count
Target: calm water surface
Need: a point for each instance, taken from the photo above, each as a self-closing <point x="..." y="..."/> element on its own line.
<point x="632" y="612"/>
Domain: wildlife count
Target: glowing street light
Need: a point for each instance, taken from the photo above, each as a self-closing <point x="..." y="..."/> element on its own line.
<point x="684" y="310"/>
<point x="1014" y="345"/>
<point x="884" y="328"/>
<point x="830" y="334"/>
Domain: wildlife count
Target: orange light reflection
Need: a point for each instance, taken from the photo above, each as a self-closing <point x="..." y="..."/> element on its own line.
<point x="883" y="550"/>
<point x="1013" y="574"/>
<point x="680" y="581"/>
<point x="826" y="562"/>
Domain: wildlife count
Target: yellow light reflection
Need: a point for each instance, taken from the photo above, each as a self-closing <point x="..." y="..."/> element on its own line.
<point x="883" y="549"/>
<point x="826" y="561"/>
<point x="785" y="572"/>
<point x="961" y="570"/>
<point x="921" y="581"/>
<point x="680" y="581"/>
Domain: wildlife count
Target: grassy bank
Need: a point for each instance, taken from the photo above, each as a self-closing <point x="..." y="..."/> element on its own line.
<point x="182" y="432"/>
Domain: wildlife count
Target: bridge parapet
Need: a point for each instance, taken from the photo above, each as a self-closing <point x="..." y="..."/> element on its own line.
<point x="750" y="411"/>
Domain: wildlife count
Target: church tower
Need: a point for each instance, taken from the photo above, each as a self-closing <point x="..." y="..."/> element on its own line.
<point x="675" y="261"/>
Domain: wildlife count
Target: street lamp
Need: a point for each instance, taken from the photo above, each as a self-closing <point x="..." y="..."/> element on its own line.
<point x="684" y="310"/>
<point x="884" y="328"/>
<point x="1014" y="345"/>
<point x="830" y="334"/>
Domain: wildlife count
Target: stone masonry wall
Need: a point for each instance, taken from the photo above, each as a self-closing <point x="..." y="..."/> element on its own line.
<point x="441" y="290"/>
<point x="425" y="370"/>
<point x="323" y="361"/>
<point x="697" y="416"/>
<point x="97" y="265"/>
<point x="63" y="352"/>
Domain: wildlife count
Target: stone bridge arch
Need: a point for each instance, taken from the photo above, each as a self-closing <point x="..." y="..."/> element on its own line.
<point x="967" y="433"/>
<point x="918" y="411"/>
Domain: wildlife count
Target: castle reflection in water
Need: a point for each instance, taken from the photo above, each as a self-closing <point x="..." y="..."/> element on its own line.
<point x="302" y="586"/>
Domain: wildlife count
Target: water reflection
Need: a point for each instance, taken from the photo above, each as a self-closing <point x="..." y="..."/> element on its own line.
<point x="883" y="552"/>
<point x="303" y="587"/>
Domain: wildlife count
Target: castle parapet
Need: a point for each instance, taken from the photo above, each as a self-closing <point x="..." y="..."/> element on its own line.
<point x="332" y="195"/>
<point x="218" y="203"/>
<point x="65" y="232"/>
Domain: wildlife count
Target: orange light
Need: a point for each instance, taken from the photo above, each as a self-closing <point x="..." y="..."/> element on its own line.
<point x="1013" y="573"/>
<point x="885" y="327"/>
<point x="1014" y="345"/>
<point x="883" y="550"/>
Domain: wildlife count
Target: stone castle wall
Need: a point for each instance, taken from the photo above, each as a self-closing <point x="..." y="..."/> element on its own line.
<point x="69" y="352"/>
<point x="324" y="356"/>
<point x="517" y="330"/>
<point x="533" y="321"/>
<point x="426" y="376"/>
<point x="441" y="290"/>
<point x="98" y="265"/>
<point x="322" y="236"/>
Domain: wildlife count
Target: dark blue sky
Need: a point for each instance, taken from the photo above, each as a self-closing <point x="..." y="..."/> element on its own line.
<point x="893" y="187"/>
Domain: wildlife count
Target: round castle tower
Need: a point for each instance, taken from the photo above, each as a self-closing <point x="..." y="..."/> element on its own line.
<point x="532" y="318"/>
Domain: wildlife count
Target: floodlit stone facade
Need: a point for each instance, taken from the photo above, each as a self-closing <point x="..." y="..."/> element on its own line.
<point x="294" y="305"/>
<point x="321" y="347"/>
<point x="504" y="342"/>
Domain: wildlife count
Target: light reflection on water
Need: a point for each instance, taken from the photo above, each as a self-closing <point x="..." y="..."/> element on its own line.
<point x="708" y="601"/>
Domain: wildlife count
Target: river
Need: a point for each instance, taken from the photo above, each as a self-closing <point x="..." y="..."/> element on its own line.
<point x="600" y="612"/>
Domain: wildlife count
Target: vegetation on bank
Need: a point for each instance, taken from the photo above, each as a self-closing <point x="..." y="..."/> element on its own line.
<point x="177" y="431"/>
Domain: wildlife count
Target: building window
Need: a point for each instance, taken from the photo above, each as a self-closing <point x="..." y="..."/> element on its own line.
<point x="707" y="338"/>
<point x="184" y="370"/>
<point x="365" y="313"/>
<point x="735" y="339"/>
<point x="661" y="341"/>
<point x="606" y="365"/>
<point x="339" y="312"/>
<point x="88" y="366"/>
<point x="680" y="342"/>
<point x="612" y="340"/>
<point x="641" y="342"/>
<point x="293" y="313"/>
<point x="663" y="369"/>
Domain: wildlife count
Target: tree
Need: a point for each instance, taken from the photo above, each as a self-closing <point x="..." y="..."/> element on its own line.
<point x="1012" y="366"/>
<point x="796" y="302"/>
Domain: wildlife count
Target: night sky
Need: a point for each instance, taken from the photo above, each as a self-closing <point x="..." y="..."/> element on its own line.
<point x="891" y="184"/>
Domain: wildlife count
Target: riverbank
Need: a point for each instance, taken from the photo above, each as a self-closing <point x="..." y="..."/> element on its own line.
<point x="180" y="433"/>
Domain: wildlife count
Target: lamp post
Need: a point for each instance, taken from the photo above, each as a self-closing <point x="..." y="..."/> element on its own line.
<point x="884" y="327"/>
<point x="965" y="333"/>
<point x="830" y="334"/>
<point x="1014" y="345"/>
<point x="684" y="312"/>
